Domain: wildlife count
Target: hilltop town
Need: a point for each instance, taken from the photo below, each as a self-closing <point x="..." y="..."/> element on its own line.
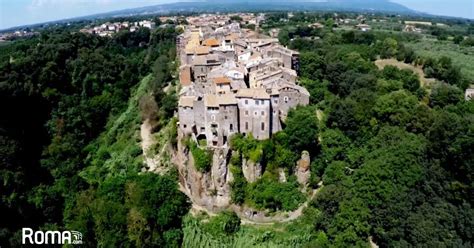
<point x="234" y="80"/>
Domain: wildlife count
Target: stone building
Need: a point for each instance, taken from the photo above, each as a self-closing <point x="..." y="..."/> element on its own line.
<point x="234" y="83"/>
<point x="290" y="58"/>
<point x="254" y="109"/>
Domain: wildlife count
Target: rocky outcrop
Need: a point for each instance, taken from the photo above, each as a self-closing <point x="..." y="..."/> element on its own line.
<point x="281" y="175"/>
<point x="303" y="168"/>
<point x="219" y="174"/>
<point x="251" y="170"/>
<point x="211" y="189"/>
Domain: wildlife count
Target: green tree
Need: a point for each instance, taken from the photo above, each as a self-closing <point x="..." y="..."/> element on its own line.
<point x="444" y="94"/>
<point x="395" y="108"/>
<point x="302" y="129"/>
<point x="458" y="39"/>
<point x="389" y="48"/>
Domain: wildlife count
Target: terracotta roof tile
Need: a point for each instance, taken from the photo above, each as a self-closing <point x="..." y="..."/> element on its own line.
<point x="185" y="75"/>
<point x="211" y="42"/>
<point x="221" y="80"/>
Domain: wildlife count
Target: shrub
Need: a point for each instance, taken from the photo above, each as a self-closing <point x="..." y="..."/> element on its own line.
<point x="249" y="147"/>
<point x="267" y="193"/>
<point x="173" y="132"/>
<point x="202" y="158"/>
<point x="238" y="185"/>
<point x="226" y="223"/>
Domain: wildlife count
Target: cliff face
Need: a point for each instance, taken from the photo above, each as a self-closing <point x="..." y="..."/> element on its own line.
<point x="211" y="190"/>
<point x="251" y="170"/>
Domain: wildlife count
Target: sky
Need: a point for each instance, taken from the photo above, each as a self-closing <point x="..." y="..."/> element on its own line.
<point x="22" y="12"/>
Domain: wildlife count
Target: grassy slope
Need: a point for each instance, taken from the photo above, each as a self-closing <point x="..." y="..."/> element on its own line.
<point x="117" y="150"/>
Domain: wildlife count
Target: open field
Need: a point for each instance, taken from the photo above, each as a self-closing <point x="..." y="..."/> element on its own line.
<point x="463" y="57"/>
<point x="381" y="63"/>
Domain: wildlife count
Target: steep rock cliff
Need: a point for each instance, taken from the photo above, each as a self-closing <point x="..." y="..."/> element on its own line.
<point x="211" y="189"/>
<point x="251" y="170"/>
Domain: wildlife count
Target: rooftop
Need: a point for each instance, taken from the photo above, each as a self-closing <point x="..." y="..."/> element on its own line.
<point x="211" y="42"/>
<point x="221" y="80"/>
<point x="255" y="93"/>
<point x="186" y="101"/>
<point x="211" y="101"/>
<point x="226" y="99"/>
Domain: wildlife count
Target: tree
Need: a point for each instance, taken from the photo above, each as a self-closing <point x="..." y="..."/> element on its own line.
<point x="443" y="69"/>
<point x="458" y="39"/>
<point x="342" y="116"/>
<point x="169" y="104"/>
<point x="389" y="48"/>
<point x="395" y="108"/>
<point x="334" y="145"/>
<point x="312" y="67"/>
<point x="302" y="129"/>
<point x="468" y="42"/>
<point x="444" y="94"/>
<point x="236" y="18"/>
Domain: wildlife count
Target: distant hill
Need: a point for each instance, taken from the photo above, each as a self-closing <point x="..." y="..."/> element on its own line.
<point x="251" y="5"/>
<point x="266" y="5"/>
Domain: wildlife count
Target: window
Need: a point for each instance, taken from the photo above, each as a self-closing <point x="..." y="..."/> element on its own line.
<point x="246" y="126"/>
<point x="256" y="102"/>
<point x="263" y="113"/>
<point x="184" y="125"/>
<point x="225" y="117"/>
<point x="263" y="126"/>
<point x="285" y="99"/>
<point x="275" y="101"/>
<point x="255" y="113"/>
<point x="231" y="127"/>
<point x="246" y="113"/>
<point x="262" y="102"/>
<point x="246" y="102"/>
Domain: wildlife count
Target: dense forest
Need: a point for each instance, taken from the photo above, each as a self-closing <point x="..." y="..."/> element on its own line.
<point x="395" y="157"/>
<point x="69" y="153"/>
